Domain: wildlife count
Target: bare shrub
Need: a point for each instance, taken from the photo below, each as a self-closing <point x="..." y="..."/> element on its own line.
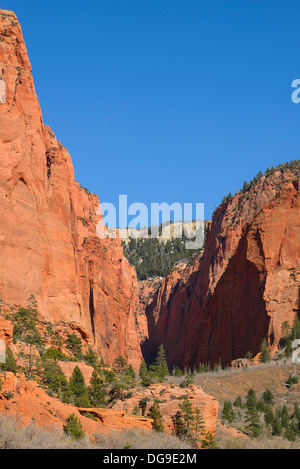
<point x="139" y="439"/>
<point x="15" y="436"/>
<point x="225" y="441"/>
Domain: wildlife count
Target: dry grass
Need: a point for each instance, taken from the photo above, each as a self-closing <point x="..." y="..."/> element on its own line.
<point x="230" y="383"/>
<point x="139" y="439"/>
<point x="13" y="436"/>
<point x="224" y="441"/>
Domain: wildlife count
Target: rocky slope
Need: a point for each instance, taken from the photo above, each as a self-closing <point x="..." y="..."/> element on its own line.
<point x="242" y="288"/>
<point x="29" y="402"/>
<point x="48" y="242"/>
<point x="169" y="398"/>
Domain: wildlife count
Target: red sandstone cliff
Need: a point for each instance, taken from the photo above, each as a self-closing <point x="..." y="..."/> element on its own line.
<point x="243" y="287"/>
<point x="48" y="242"/>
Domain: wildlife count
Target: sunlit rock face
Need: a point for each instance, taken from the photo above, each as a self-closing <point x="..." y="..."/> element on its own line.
<point x="246" y="284"/>
<point x="48" y="241"/>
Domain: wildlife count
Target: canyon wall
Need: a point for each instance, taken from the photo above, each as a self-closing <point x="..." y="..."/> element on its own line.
<point x="241" y="289"/>
<point x="48" y="242"/>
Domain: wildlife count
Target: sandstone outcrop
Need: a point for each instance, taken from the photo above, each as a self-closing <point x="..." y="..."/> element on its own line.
<point x="6" y="331"/>
<point x="169" y="397"/>
<point x="27" y="401"/>
<point x="48" y="240"/>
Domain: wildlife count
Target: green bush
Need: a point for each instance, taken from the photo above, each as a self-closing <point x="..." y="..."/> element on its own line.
<point x="73" y="427"/>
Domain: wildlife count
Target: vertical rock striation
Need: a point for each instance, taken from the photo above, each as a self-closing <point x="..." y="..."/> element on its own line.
<point x="48" y="241"/>
<point x="243" y="287"/>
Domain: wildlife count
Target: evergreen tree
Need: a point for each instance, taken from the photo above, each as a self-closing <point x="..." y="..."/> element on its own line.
<point x="295" y="425"/>
<point x="187" y="413"/>
<point x="161" y="367"/>
<point x="245" y="186"/>
<point x="296" y="412"/>
<point x="285" y="418"/>
<point x="91" y="358"/>
<point x="130" y="372"/>
<point x="54" y="378"/>
<point x="269" y="416"/>
<point x="199" y="422"/>
<point x="73" y="427"/>
<point x="155" y="414"/>
<point x="227" y="413"/>
<point x="178" y="372"/>
<point x="119" y="386"/>
<point x="292" y="379"/>
<point x="143" y="369"/>
<point x="179" y="425"/>
<point x="261" y="405"/>
<point x="251" y="400"/>
<point x="295" y="334"/>
<point x="264" y="352"/>
<point x="136" y="411"/>
<point x="10" y="362"/>
<point x="238" y="402"/>
<point x="276" y="426"/>
<point x="119" y="365"/>
<point x="290" y="433"/>
<point x="254" y="427"/>
<point x="208" y="442"/>
<point x="96" y="391"/>
<point x="268" y="397"/>
<point x="74" y="345"/>
<point x="79" y="389"/>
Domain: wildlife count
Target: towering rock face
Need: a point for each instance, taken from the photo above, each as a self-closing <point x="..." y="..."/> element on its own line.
<point x="244" y="286"/>
<point x="48" y="242"/>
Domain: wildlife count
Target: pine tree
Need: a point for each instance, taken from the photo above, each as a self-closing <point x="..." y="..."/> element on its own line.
<point x="269" y="416"/>
<point x="295" y="334"/>
<point x="187" y="413"/>
<point x="285" y="418"/>
<point x="295" y="425"/>
<point x="227" y="412"/>
<point x="96" y="391"/>
<point x="79" y="389"/>
<point x="91" y="358"/>
<point x="238" y="402"/>
<point x="179" y="425"/>
<point x="276" y="426"/>
<point x="208" y="442"/>
<point x="155" y="414"/>
<point x="119" y="365"/>
<point x="130" y="372"/>
<point x="73" y="427"/>
<point x="251" y="400"/>
<point x="161" y="366"/>
<point x="10" y="362"/>
<point x="290" y="433"/>
<point x="268" y="397"/>
<point x="74" y="345"/>
<point x="264" y="352"/>
<point x="199" y="422"/>
<point x="252" y="418"/>
<point x="177" y="372"/>
<point x="136" y="411"/>
<point x="296" y="411"/>
<point x="54" y="378"/>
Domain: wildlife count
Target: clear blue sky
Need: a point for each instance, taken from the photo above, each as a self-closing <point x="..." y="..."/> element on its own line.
<point x="167" y="100"/>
